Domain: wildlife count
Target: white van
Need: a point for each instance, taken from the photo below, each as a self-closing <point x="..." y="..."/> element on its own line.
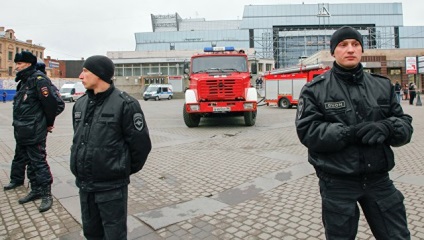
<point x="158" y="91"/>
<point x="72" y="91"/>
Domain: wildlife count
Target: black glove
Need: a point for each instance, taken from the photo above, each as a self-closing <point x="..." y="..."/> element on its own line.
<point x="375" y="132"/>
<point x="352" y="136"/>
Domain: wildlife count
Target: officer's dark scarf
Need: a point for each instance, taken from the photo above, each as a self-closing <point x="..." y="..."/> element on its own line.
<point x="354" y="75"/>
<point x="24" y="74"/>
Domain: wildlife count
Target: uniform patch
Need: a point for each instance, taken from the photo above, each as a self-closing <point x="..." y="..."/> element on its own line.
<point x="77" y="115"/>
<point x="335" y="105"/>
<point x="138" y="121"/>
<point x="45" y="91"/>
<point x="300" y="107"/>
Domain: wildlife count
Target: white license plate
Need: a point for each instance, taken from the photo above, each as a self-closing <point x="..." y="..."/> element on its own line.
<point x="221" y="109"/>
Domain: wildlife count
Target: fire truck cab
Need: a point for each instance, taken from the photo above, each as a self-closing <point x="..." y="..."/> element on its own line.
<point x="219" y="84"/>
<point x="283" y="86"/>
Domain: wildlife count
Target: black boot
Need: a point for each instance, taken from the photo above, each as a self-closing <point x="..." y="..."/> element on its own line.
<point x="12" y="185"/>
<point x="46" y="199"/>
<point x="33" y="195"/>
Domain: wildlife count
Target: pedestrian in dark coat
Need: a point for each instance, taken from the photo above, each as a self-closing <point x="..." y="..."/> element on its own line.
<point x="412" y="93"/>
<point x="349" y="119"/>
<point x="398" y="89"/>
<point x="111" y="142"/>
<point x="34" y="113"/>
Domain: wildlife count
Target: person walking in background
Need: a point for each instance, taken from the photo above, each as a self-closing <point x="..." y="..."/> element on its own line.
<point x="4" y="96"/>
<point x="405" y="91"/>
<point x="412" y="93"/>
<point x="34" y="113"/>
<point x="349" y="119"/>
<point x="111" y="142"/>
<point x="398" y="89"/>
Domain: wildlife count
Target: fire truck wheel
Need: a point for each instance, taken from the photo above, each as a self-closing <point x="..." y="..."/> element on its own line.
<point x="249" y="118"/>
<point x="284" y="103"/>
<point x="191" y="120"/>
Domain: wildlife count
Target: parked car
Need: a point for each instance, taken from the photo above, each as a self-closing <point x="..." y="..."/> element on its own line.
<point x="158" y="91"/>
<point x="72" y="91"/>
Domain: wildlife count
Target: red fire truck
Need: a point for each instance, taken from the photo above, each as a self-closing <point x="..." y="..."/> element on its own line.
<point x="219" y="84"/>
<point x="283" y="86"/>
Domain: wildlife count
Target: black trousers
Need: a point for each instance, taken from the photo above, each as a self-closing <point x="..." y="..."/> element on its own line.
<point x="412" y="97"/>
<point x="104" y="214"/>
<point x="38" y="169"/>
<point x="379" y="199"/>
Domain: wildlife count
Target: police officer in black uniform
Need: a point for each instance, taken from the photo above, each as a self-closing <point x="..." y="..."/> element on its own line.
<point x="111" y="142"/>
<point x="34" y="113"/>
<point x="349" y="119"/>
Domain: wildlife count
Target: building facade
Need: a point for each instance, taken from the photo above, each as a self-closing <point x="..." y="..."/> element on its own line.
<point x="9" y="46"/>
<point x="286" y="32"/>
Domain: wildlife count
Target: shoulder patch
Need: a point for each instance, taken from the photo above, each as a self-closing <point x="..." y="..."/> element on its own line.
<point x="138" y="121"/>
<point x="45" y="91"/>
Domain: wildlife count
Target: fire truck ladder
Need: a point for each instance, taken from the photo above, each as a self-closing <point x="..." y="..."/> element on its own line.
<point x="297" y="69"/>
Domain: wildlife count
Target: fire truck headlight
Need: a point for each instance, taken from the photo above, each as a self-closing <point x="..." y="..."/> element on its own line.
<point x="248" y="105"/>
<point x="194" y="107"/>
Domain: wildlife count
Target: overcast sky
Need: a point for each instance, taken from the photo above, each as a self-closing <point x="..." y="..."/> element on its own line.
<point x="72" y="29"/>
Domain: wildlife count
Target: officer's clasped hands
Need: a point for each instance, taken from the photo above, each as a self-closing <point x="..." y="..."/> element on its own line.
<point x="374" y="132"/>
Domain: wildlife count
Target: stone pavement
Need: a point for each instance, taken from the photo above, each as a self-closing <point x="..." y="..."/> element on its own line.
<point x="221" y="180"/>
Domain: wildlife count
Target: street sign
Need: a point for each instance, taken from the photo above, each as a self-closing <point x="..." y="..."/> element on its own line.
<point x="421" y="64"/>
<point x="411" y="65"/>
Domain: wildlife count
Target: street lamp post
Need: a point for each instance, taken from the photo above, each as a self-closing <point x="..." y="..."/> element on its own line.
<point x="419" y="103"/>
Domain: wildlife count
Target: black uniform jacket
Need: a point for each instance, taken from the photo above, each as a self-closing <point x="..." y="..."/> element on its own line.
<point x="34" y="107"/>
<point x="111" y="140"/>
<point x="334" y="102"/>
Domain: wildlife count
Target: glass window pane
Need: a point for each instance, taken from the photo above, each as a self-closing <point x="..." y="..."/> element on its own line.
<point x="119" y="72"/>
<point x="137" y="71"/>
<point x="128" y="71"/>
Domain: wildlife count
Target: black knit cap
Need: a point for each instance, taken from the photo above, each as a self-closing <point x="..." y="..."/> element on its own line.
<point x="25" y="56"/>
<point x="101" y="66"/>
<point x="343" y="33"/>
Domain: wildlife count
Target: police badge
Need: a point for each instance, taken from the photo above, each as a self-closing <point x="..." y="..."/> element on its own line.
<point x="138" y="121"/>
<point x="300" y="108"/>
<point x="45" y="91"/>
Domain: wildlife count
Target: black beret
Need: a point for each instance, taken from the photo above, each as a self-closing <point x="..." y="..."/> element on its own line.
<point x="25" y="56"/>
<point x="344" y="33"/>
<point x="101" y="66"/>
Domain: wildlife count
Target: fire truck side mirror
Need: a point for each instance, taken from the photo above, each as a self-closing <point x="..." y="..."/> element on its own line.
<point x="186" y="70"/>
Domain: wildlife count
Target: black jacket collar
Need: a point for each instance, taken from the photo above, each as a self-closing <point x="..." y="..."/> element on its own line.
<point x="354" y="75"/>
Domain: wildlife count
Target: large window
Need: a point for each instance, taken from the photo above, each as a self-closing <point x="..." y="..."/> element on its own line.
<point x="10" y="56"/>
<point x="128" y="70"/>
<point x="119" y="70"/>
<point x="219" y="63"/>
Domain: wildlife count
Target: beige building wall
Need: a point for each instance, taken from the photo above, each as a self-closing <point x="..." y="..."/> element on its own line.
<point x="9" y="46"/>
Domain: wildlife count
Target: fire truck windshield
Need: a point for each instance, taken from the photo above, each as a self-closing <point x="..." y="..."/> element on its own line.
<point x="219" y="63"/>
